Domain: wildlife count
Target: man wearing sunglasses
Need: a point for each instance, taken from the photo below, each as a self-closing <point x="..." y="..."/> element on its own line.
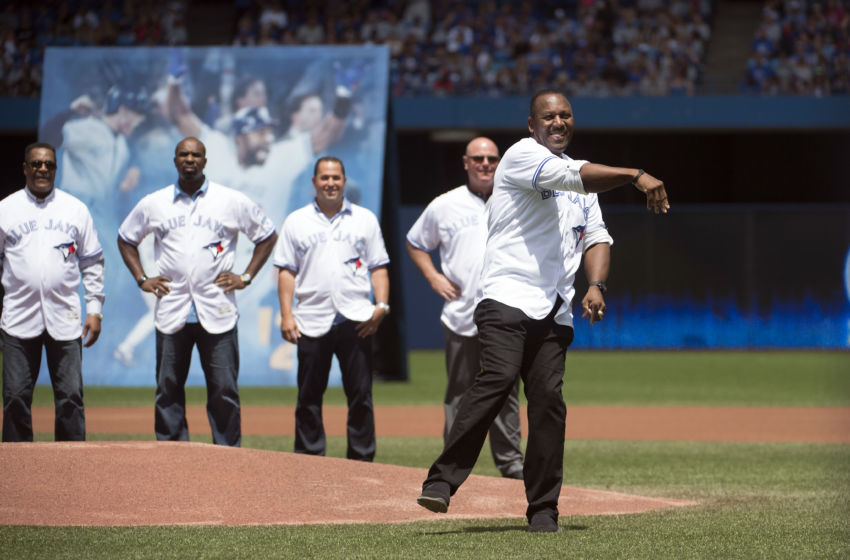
<point x="455" y="222"/>
<point x="48" y="243"/>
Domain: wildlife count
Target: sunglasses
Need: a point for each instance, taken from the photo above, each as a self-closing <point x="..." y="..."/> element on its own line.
<point x="36" y="165"/>
<point x="480" y="159"/>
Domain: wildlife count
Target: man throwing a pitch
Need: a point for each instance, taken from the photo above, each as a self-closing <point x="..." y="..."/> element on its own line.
<point x="522" y="328"/>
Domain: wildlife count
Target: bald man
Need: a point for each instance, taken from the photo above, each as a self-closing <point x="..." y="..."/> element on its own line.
<point x="196" y="224"/>
<point x="455" y="222"/>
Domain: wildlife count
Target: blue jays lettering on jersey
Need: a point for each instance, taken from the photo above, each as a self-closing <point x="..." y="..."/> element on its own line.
<point x="522" y="220"/>
<point x="193" y="248"/>
<point x="331" y="259"/>
<point x="47" y="247"/>
<point x="454" y="223"/>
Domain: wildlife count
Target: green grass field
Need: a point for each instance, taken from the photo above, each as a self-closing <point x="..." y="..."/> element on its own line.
<point x="756" y="500"/>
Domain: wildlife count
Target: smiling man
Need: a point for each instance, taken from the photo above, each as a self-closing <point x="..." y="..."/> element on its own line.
<point x="196" y="224"/>
<point x="47" y="243"/>
<point x="329" y="255"/>
<point x="523" y="330"/>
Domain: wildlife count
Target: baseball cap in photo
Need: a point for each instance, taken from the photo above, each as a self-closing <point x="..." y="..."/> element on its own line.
<point x="247" y="119"/>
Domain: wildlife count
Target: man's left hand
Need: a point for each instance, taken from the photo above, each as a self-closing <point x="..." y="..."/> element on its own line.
<point x="229" y="281"/>
<point x="370" y="327"/>
<point x="91" y="330"/>
<point x="593" y="305"/>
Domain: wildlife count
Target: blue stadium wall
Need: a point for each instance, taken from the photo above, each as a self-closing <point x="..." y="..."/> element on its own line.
<point x="662" y="113"/>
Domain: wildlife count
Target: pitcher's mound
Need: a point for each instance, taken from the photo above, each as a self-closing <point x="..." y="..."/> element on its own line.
<point x="164" y="483"/>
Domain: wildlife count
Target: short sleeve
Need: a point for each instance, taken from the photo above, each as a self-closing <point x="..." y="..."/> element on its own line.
<point x="425" y="233"/>
<point x="376" y="251"/>
<point x="284" y="255"/>
<point x="253" y="222"/>
<point x="88" y="244"/>
<point x="135" y="226"/>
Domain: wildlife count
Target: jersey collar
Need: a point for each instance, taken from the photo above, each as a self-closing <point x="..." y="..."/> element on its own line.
<point x="346" y="208"/>
<point x="44" y="200"/>
<point x="178" y="192"/>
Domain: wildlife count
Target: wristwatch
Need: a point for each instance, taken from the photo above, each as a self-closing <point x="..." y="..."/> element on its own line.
<point x="246" y="278"/>
<point x="141" y="280"/>
<point x="385" y="306"/>
<point x="639" y="173"/>
<point x="601" y="285"/>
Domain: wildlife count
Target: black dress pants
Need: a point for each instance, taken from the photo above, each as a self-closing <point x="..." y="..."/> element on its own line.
<point x="513" y="346"/>
<point x="355" y="363"/>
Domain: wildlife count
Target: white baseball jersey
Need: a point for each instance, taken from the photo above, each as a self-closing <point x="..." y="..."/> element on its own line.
<point x="331" y="260"/>
<point x="195" y="241"/>
<point x="523" y="265"/>
<point x="454" y="222"/>
<point x="582" y="227"/>
<point x="44" y="248"/>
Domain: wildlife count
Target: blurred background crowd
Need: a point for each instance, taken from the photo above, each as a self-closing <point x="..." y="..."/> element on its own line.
<point x="487" y="48"/>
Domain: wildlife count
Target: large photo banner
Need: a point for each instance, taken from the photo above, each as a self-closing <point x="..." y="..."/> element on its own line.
<point x="265" y="115"/>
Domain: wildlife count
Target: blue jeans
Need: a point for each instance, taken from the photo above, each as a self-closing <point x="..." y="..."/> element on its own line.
<point x="219" y="355"/>
<point x="21" y="362"/>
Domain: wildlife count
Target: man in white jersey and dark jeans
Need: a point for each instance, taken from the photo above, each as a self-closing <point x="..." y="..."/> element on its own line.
<point x="196" y="224"/>
<point x="47" y="243"/>
<point x="454" y="222"/>
<point x="330" y="255"/>
<point x="521" y="318"/>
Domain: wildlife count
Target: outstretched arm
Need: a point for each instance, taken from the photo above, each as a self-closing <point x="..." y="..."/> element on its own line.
<point x="331" y="127"/>
<point x="180" y="113"/>
<point x="600" y="178"/>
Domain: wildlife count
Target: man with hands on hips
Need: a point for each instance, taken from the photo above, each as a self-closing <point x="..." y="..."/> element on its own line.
<point x="196" y="224"/>
<point x="330" y="255"/>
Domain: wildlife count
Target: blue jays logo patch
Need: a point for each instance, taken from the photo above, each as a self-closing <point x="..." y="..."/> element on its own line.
<point x="356" y="265"/>
<point x="215" y="248"/>
<point x="68" y="249"/>
<point x="578" y="231"/>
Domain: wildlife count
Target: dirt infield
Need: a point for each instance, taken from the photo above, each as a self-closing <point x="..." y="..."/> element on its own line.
<point x="165" y="483"/>
<point x="769" y="424"/>
<point x="159" y="483"/>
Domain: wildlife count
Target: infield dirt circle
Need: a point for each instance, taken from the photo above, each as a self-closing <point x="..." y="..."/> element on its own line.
<point x="162" y="483"/>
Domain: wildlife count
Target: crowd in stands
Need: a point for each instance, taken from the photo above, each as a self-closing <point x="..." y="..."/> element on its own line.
<point x="802" y="48"/>
<point x="496" y="48"/>
<point x="26" y="29"/>
<point x="487" y="48"/>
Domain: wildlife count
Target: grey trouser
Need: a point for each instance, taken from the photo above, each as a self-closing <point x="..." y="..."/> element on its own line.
<point x="463" y="361"/>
